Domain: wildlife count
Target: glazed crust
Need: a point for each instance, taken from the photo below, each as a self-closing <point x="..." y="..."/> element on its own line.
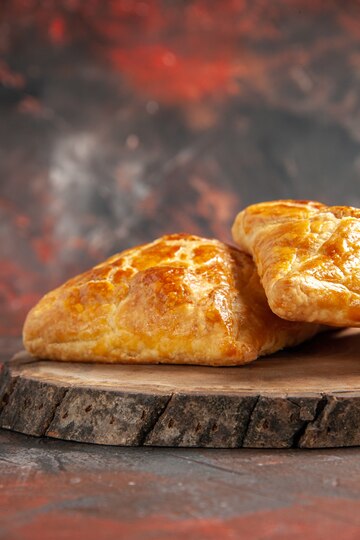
<point x="308" y="258"/>
<point x="181" y="299"/>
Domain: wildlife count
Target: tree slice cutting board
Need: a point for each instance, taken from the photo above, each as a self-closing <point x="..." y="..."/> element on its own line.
<point x="307" y="397"/>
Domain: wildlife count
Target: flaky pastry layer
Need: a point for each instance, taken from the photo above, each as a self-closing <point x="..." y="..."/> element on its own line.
<point x="181" y="299"/>
<point x="308" y="258"/>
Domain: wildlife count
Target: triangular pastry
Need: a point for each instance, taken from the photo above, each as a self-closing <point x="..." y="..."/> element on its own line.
<point x="181" y="300"/>
<point x="308" y="258"/>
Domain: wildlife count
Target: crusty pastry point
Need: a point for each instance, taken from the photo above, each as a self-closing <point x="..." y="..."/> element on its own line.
<point x="181" y="300"/>
<point x="308" y="258"/>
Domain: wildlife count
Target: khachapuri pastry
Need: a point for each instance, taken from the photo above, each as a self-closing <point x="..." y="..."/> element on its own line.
<point x="179" y="300"/>
<point x="308" y="257"/>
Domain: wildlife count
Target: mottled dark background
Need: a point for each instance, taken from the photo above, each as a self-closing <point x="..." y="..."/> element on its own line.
<point x="122" y="120"/>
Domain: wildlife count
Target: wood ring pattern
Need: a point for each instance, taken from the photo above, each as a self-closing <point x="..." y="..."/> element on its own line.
<point x="308" y="397"/>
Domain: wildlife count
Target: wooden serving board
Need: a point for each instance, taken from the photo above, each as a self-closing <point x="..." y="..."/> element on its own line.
<point x="308" y="397"/>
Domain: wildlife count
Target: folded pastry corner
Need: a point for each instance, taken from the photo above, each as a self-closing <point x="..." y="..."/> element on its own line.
<point x="308" y="257"/>
<point x="180" y="299"/>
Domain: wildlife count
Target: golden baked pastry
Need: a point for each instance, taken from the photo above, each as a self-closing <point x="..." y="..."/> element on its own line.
<point x="181" y="299"/>
<point x="308" y="258"/>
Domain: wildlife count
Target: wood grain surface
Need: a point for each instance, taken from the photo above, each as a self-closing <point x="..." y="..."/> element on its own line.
<point x="308" y="397"/>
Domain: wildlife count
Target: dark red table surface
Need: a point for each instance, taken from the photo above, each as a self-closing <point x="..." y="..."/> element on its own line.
<point x="124" y="120"/>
